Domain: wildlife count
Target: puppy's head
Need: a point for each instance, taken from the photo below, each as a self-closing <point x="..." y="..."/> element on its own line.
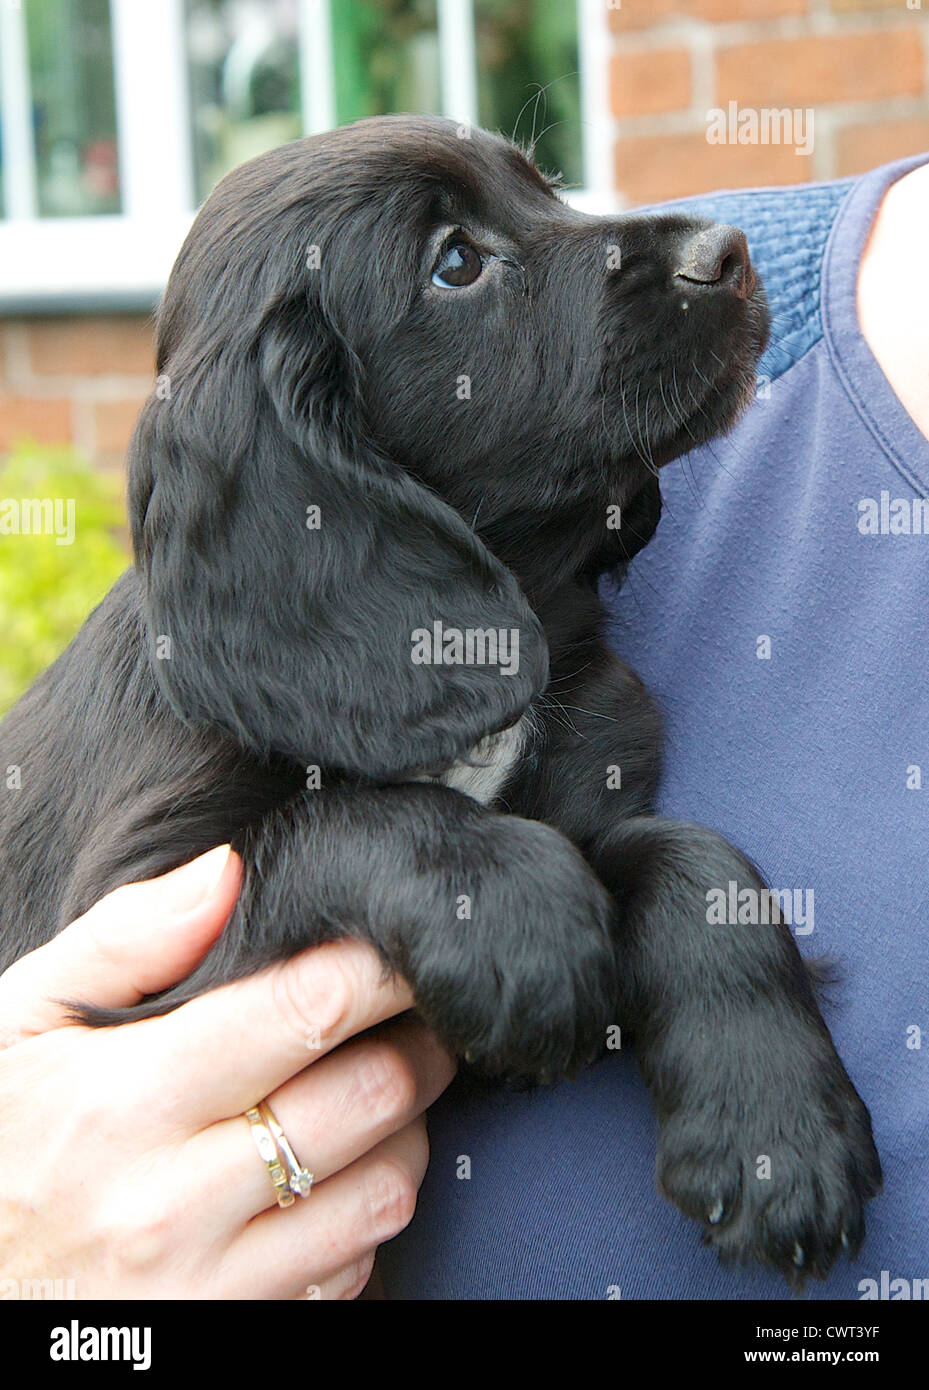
<point x="378" y="346"/>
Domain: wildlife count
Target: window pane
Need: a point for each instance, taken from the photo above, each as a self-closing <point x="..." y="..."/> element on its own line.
<point x="386" y="57"/>
<point x="522" y="46"/>
<point x="74" y="107"/>
<point x="245" y="82"/>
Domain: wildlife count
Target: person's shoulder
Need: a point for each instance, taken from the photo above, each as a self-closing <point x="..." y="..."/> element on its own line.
<point x="787" y="229"/>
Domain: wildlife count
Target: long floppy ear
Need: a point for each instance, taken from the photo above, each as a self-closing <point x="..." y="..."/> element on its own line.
<point x="294" y="578"/>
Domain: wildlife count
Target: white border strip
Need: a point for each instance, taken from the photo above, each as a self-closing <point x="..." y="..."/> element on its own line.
<point x="594" y="43"/>
<point x="57" y="258"/>
<point x="457" y="60"/>
<point x="317" y="78"/>
<point x="155" y="136"/>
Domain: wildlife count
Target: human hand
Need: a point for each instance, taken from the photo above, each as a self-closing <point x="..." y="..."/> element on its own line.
<point x="126" y="1165"/>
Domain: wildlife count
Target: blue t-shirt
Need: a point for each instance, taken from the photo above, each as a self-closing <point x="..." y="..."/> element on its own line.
<point x="781" y="617"/>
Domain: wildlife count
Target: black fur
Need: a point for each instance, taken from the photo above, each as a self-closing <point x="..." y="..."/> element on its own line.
<point x="285" y="386"/>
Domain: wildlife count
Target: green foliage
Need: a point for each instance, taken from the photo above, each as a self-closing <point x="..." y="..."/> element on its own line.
<point x="48" y="588"/>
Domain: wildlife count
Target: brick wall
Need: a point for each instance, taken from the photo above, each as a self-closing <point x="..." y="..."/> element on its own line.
<point x="862" y="66"/>
<point x="79" y="380"/>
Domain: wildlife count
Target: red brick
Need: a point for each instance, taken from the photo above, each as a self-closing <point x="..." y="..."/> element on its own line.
<point x="862" y="6"/>
<point x="114" y="422"/>
<point x="115" y="346"/>
<point x="25" y="417"/>
<point x="641" y="14"/>
<point x="866" y="144"/>
<point x="648" y="14"/>
<point x="837" y="67"/>
<point x="723" y="11"/>
<point x="643" y="84"/>
<point x="652" y="168"/>
<point x="4" y="375"/>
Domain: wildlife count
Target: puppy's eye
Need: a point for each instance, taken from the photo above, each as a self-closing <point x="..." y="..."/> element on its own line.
<point x="459" y="264"/>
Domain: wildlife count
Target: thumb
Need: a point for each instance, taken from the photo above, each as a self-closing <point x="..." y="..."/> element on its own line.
<point x="137" y="940"/>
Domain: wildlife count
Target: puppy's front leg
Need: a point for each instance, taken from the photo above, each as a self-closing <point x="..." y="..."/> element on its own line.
<point x="762" y="1137"/>
<point x="498" y="923"/>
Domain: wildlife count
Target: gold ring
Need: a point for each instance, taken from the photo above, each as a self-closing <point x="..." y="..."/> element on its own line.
<point x="267" y="1149"/>
<point x="300" y="1180"/>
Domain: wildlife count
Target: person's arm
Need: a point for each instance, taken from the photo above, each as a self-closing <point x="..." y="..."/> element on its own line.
<point x="126" y="1163"/>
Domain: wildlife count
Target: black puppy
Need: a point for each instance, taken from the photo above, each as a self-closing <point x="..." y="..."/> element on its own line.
<point x="405" y="395"/>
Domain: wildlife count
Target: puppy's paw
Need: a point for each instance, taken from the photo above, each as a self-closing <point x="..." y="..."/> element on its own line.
<point x="776" y="1162"/>
<point x="522" y="982"/>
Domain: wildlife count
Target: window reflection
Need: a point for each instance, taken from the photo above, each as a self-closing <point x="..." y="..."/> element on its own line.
<point x="73" y="106"/>
<point x="245" y="82"/>
<point x="386" y="57"/>
<point x="527" y="60"/>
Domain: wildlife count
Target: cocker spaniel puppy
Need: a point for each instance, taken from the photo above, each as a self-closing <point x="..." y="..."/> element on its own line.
<point x="410" y="406"/>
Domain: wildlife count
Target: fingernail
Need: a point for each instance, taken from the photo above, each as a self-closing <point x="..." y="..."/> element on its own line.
<point x="192" y="884"/>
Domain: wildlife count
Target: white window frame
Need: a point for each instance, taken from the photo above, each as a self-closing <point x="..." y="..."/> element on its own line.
<point x="60" y="264"/>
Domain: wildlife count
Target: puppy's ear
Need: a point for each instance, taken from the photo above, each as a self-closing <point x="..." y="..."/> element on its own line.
<point x="294" y="578"/>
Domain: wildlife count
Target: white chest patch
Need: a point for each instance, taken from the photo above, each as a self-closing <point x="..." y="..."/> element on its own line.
<point x="484" y="771"/>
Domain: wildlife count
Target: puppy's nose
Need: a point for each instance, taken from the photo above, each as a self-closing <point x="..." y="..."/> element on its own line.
<point x="718" y="256"/>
